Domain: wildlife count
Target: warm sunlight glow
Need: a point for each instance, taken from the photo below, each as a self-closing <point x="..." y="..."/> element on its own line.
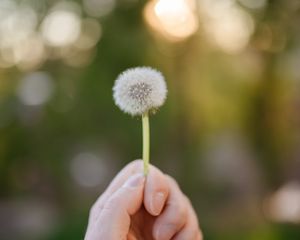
<point x="174" y="19"/>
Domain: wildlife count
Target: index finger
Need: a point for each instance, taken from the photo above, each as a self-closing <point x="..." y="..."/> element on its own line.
<point x="129" y="170"/>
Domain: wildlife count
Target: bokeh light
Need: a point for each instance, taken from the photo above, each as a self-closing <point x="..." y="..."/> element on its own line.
<point x="174" y="19"/>
<point x="88" y="170"/>
<point x="284" y="205"/>
<point x="31" y="53"/>
<point x="226" y="24"/>
<point x="28" y="41"/>
<point x="90" y="34"/>
<point x="35" y="88"/>
<point x="18" y="23"/>
<point x="32" y="217"/>
<point x="61" y="28"/>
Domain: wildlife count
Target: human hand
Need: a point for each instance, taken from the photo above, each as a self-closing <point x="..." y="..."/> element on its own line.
<point x="137" y="208"/>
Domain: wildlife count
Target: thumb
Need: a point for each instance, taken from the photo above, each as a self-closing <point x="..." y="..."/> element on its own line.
<point x="114" y="220"/>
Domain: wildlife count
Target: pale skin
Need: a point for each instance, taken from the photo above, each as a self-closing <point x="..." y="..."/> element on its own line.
<point x="134" y="207"/>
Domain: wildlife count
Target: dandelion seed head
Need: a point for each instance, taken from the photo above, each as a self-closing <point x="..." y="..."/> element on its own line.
<point x="138" y="90"/>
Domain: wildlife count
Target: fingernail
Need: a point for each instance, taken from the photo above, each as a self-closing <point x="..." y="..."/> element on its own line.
<point x="157" y="203"/>
<point x="134" y="181"/>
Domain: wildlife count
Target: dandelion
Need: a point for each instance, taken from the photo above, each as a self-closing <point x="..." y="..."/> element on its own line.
<point x="141" y="91"/>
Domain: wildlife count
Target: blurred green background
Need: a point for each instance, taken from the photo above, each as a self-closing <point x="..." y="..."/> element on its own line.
<point x="229" y="131"/>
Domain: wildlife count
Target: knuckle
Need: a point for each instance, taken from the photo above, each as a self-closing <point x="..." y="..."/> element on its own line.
<point x="176" y="222"/>
<point x="179" y="213"/>
<point x="135" y="165"/>
<point x="187" y="200"/>
<point x="173" y="182"/>
<point x="171" y="179"/>
<point x="111" y="203"/>
<point x="171" y="227"/>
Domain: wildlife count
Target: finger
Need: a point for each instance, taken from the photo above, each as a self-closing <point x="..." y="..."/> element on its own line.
<point x="114" y="220"/>
<point x="191" y="230"/>
<point x="156" y="191"/>
<point x="174" y="216"/>
<point x="129" y="170"/>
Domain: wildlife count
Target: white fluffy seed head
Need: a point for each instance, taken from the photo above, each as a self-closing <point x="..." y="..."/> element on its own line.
<point x="139" y="90"/>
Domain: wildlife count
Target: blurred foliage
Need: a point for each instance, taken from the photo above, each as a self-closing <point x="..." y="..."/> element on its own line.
<point x="229" y="131"/>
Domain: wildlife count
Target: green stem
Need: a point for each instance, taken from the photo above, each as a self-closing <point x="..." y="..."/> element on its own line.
<point x="146" y="142"/>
